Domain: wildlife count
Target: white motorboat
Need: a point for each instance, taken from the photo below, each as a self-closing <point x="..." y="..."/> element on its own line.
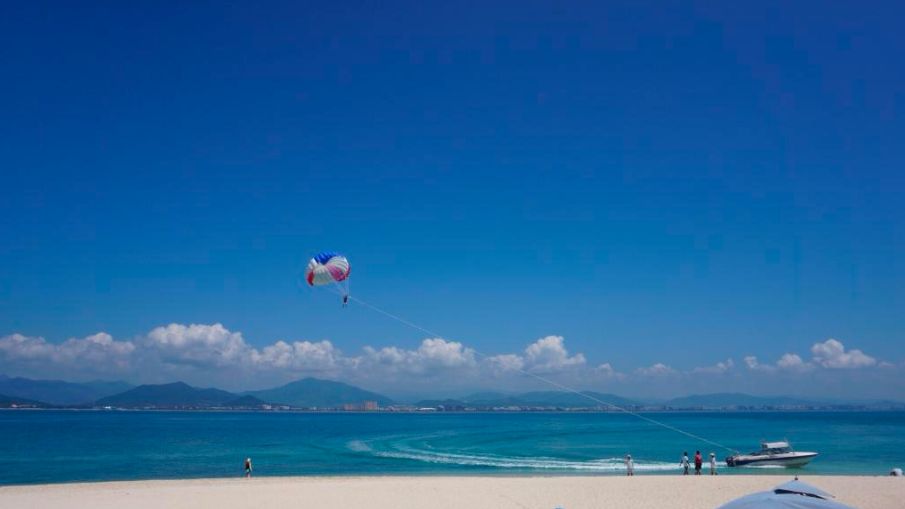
<point x="772" y="454"/>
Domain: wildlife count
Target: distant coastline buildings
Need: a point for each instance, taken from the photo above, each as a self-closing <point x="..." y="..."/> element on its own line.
<point x="365" y="406"/>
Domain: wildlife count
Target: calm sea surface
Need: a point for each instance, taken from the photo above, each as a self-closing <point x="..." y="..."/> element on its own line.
<point x="63" y="446"/>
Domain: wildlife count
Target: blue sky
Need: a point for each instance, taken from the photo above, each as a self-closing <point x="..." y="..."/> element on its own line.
<point x="678" y="184"/>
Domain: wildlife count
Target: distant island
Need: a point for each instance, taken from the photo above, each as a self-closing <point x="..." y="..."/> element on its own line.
<point x="313" y="394"/>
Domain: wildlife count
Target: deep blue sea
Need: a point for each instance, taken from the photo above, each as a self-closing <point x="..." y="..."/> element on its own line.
<point x="64" y="446"/>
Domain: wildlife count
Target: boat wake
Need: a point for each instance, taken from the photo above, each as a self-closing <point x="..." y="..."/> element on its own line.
<point x="405" y="452"/>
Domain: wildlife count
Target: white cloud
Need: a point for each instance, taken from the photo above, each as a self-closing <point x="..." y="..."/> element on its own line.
<point x="198" y="345"/>
<point x="546" y="355"/>
<point x="790" y="361"/>
<point x="656" y="370"/>
<point x="787" y="362"/>
<point x="99" y="348"/>
<point x="751" y="362"/>
<point x="448" y="354"/>
<point x="98" y="353"/>
<point x="299" y="356"/>
<point x="432" y="355"/>
<point x="831" y="354"/>
<point x="605" y="370"/>
<point x="211" y="354"/>
<point x="19" y="347"/>
<point x="505" y="363"/>
<point x="195" y="351"/>
<point x="718" y="368"/>
<point x="549" y="354"/>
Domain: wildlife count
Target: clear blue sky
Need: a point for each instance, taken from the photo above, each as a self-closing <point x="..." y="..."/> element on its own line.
<point x="675" y="183"/>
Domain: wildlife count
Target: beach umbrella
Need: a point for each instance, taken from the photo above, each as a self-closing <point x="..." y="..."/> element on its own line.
<point x="791" y="495"/>
<point x="801" y="488"/>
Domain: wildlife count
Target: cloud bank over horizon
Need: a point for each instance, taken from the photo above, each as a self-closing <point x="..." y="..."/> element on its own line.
<point x="212" y="355"/>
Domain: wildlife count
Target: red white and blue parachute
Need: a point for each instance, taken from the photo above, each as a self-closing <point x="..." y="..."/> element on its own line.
<point x="326" y="268"/>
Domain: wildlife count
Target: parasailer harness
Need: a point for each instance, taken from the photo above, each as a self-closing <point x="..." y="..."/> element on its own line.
<point x="545" y="379"/>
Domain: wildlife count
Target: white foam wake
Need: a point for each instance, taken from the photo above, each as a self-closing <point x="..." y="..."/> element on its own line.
<point x="532" y="463"/>
<point x="358" y="446"/>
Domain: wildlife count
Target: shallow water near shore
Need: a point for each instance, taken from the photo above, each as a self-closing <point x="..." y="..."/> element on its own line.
<point x="66" y="446"/>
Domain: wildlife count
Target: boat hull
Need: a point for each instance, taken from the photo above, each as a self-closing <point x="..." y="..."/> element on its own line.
<point x="797" y="459"/>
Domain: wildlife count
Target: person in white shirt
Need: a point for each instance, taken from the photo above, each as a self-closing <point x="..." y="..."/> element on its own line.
<point x="684" y="463"/>
<point x="629" y="465"/>
<point x="712" y="464"/>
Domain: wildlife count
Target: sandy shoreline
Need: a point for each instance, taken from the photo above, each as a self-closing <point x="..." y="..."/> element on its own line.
<point x="640" y="492"/>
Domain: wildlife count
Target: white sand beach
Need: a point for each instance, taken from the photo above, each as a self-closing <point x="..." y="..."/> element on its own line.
<point x="640" y="492"/>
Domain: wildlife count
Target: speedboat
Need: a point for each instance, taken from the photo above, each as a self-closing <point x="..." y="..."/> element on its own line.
<point x="772" y="454"/>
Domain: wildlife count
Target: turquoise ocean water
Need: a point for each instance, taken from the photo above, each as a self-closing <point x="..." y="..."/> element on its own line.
<point x="65" y="446"/>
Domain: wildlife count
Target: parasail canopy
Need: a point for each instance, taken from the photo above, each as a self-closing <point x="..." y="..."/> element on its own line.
<point x="326" y="268"/>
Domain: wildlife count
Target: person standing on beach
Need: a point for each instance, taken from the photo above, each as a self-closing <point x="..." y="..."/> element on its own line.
<point x="629" y="465"/>
<point x="698" y="462"/>
<point x="684" y="462"/>
<point x="247" y="467"/>
<point x="712" y="464"/>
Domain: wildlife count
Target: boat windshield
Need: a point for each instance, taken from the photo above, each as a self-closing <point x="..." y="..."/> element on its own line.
<point x="775" y="448"/>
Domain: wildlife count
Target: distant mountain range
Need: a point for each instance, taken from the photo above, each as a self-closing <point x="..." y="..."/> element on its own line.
<point x="588" y="399"/>
<point x="174" y="395"/>
<point x="58" y="392"/>
<point x="313" y="393"/>
<point x="316" y="393"/>
<point x="728" y="399"/>
<point x="747" y="401"/>
<point x="247" y="402"/>
<point x="555" y="399"/>
<point x="305" y="393"/>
